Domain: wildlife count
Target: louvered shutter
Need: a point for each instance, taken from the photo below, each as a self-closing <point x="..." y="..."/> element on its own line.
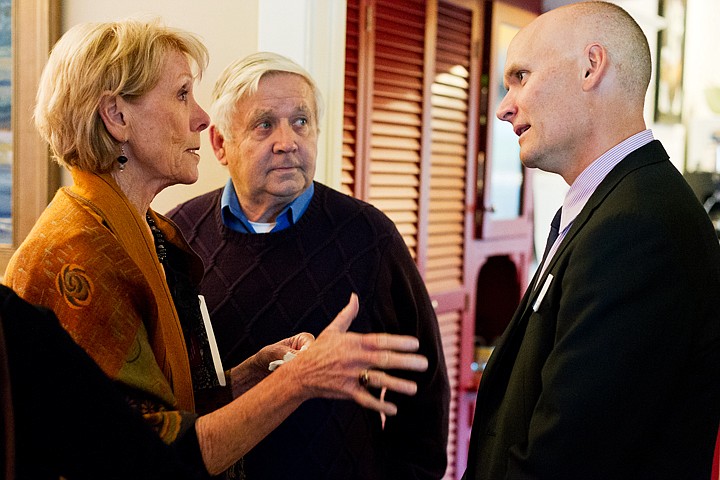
<point x="406" y="145"/>
<point x="393" y="181"/>
<point x="450" y="155"/>
<point x="348" y="183"/>
<point x="449" y="152"/>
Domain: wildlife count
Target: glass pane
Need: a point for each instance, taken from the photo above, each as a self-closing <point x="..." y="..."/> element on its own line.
<point x="6" y="146"/>
<point x="506" y="176"/>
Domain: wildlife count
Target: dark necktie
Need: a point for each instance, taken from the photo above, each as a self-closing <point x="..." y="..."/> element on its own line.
<point x="554" y="232"/>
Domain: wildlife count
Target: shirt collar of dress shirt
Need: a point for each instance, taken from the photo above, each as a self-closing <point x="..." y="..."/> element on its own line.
<point x="586" y="183"/>
<point x="235" y="219"/>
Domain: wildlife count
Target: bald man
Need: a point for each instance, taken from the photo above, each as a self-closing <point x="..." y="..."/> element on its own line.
<point x="610" y="368"/>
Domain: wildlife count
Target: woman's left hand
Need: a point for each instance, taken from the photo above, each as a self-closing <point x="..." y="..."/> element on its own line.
<point x="254" y="369"/>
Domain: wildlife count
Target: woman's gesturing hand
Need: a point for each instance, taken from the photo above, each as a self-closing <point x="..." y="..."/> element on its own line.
<point x="338" y="364"/>
<point x="341" y="364"/>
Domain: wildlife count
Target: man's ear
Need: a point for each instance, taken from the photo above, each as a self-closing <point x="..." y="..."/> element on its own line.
<point x="111" y="111"/>
<point x="596" y="66"/>
<point x="217" y="140"/>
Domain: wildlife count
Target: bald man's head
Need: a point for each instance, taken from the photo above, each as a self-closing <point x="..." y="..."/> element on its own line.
<point x="576" y="78"/>
<point x="611" y="26"/>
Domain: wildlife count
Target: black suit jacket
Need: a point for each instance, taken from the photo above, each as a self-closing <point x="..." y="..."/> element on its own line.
<point x="616" y="371"/>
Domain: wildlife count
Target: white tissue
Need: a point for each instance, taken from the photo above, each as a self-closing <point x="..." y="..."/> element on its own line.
<point x="286" y="358"/>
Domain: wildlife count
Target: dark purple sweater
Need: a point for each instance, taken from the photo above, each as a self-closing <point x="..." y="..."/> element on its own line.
<point x="261" y="288"/>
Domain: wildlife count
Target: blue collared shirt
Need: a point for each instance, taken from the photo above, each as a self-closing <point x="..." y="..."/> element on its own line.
<point x="235" y="219"/>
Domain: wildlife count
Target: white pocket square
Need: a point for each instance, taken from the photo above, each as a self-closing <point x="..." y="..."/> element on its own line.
<point x="542" y="293"/>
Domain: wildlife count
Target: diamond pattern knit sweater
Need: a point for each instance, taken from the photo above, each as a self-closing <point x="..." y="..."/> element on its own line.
<point x="261" y="288"/>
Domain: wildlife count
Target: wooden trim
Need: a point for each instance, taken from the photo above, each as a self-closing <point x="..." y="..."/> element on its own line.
<point x="431" y="19"/>
<point x="35" y="27"/>
<point x="366" y="66"/>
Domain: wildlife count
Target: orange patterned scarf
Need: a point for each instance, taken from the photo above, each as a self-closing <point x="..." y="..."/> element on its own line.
<point x="91" y="258"/>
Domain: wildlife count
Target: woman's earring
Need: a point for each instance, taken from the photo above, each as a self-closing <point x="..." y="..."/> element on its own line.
<point x="122" y="159"/>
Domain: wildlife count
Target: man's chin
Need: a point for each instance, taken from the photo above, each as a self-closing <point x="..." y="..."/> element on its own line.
<point x="289" y="193"/>
<point x="289" y="186"/>
<point x="189" y="179"/>
<point x="526" y="159"/>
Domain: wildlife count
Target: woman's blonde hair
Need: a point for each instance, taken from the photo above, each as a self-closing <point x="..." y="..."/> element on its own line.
<point x="123" y="58"/>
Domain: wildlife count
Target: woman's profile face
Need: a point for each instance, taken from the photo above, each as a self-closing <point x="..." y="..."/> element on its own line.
<point x="165" y="125"/>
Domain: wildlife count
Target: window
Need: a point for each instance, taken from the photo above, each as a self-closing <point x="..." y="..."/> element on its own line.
<point x="34" y="25"/>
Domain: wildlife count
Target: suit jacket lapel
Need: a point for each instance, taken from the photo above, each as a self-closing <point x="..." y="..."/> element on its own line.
<point x="648" y="154"/>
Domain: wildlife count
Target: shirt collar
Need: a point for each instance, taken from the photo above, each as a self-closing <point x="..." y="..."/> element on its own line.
<point x="234" y="218"/>
<point x="586" y="183"/>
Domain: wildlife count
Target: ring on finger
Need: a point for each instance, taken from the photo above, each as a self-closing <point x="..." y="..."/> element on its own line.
<point x="364" y="378"/>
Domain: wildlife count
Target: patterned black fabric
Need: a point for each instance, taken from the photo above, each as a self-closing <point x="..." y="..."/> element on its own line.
<point x="185" y="296"/>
